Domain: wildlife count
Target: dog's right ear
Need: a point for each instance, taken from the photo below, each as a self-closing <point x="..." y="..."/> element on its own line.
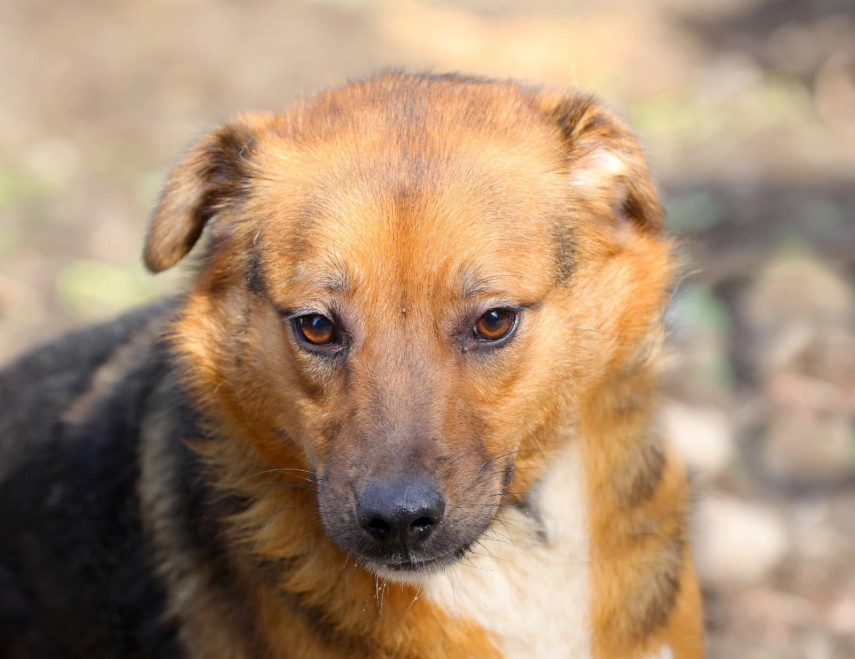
<point x="211" y="174"/>
<point x="606" y="160"/>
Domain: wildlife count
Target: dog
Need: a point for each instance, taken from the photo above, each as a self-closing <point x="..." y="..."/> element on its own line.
<point x="406" y="408"/>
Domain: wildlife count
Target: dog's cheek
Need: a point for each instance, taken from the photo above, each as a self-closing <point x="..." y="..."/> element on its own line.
<point x="340" y="470"/>
<point x="509" y="394"/>
<point x="473" y="493"/>
<point x="528" y="400"/>
<point x="620" y="298"/>
<point x="478" y="441"/>
<point x="238" y="365"/>
<point x="335" y="505"/>
<point x="299" y="397"/>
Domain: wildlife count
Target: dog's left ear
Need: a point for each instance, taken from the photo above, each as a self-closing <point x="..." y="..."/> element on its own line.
<point x="606" y="160"/>
<point x="210" y="175"/>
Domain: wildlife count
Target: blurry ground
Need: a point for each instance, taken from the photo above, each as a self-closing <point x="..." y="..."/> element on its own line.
<point x="748" y="109"/>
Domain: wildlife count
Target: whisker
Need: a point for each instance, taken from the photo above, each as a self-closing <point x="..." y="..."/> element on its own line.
<point x="294" y="486"/>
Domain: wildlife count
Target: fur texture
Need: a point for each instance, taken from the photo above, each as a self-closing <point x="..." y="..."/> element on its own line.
<point x="190" y="480"/>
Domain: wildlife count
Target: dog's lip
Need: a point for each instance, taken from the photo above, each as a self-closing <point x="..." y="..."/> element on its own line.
<point x="416" y="565"/>
<point x="426" y="564"/>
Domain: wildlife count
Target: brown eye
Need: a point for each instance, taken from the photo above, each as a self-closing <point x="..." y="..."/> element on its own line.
<point x="316" y="329"/>
<point x="495" y="324"/>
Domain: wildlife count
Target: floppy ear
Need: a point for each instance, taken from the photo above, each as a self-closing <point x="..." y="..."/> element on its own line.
<point x="211" y="174"/>
<point x="606" y="160"/>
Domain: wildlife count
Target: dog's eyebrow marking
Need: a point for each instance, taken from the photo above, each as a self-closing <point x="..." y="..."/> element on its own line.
<point x="337" y="279"/>
<point x="565" y="240"/>
<point x="337" y="282"/>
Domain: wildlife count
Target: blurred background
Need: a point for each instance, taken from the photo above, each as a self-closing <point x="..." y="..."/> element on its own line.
<point x="747" y="108"/>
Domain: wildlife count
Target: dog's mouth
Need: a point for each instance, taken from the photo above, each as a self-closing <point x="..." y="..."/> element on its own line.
<point x="414" y="565"/>
<point x="400" y="561"/>
<point x="447" y="547"/>
<point x="405" y="526"/>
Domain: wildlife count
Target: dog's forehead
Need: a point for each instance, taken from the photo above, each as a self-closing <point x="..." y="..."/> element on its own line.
<point x="458" y="220"/>
<point x="465" y="202"/>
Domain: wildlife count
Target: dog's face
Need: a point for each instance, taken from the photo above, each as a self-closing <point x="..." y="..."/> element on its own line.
<point x="410" y="284"/>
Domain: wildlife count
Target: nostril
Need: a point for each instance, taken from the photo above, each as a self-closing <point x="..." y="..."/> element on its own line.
<point x="379" y="528"/>
<point x="422" y="524"/>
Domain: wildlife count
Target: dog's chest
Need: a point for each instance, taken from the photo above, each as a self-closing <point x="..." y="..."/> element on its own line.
<point x="526" y="582"/>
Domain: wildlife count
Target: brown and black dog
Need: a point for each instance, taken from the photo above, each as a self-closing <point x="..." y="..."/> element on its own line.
<point x="405" y="409"/>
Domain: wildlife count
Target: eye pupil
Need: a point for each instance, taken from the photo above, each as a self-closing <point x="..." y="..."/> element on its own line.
<point x="495" y="324"/>
<point x="316" y="329"/>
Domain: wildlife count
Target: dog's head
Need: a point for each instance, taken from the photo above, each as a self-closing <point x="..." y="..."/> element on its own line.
<point x="410" y="286"/>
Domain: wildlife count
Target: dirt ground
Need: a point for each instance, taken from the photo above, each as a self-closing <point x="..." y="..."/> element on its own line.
<point x="748" y="111"/>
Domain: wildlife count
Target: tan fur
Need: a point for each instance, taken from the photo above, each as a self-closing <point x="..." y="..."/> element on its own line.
<point x="405" y="203"/>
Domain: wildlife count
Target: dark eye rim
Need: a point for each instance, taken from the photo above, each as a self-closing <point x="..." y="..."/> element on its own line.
<point x="484" y="342"/>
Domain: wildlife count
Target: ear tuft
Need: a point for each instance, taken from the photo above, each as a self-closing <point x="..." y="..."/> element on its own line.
<point x="598" y="168"/>
<point x="210" y="175"/>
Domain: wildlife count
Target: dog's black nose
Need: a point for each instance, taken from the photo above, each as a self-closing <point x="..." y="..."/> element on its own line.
<point x="402" y="511"/>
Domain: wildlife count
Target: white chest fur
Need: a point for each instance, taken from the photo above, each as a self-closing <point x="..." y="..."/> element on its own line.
<point x="527" y="581"/>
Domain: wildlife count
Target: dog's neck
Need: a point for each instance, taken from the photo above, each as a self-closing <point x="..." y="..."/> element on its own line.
<point x="532" y="562"/>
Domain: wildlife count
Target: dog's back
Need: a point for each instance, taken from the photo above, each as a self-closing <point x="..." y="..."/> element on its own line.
<point x="75" y="578"/>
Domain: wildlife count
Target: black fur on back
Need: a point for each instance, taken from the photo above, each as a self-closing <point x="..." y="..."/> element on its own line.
<point x="76" y="568"/>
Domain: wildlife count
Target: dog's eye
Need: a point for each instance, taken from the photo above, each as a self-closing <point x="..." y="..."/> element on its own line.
<point x="494" y="325"/>
<point x="316" y="329"/>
